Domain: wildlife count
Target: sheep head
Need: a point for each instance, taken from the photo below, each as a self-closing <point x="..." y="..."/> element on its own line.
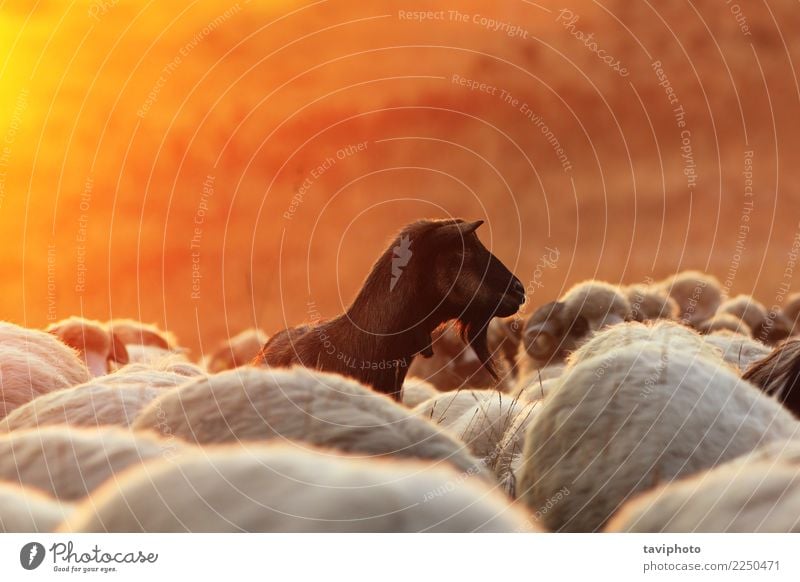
<point x="437" y="271"/>
<point x="553" y="331"/>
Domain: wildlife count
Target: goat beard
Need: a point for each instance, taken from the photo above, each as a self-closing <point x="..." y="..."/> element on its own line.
<point x="474" y="334"/>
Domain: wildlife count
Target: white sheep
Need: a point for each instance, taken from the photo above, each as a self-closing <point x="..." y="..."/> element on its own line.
<point x="783" y="451"/>
<point x="557" y="328"/>
<point x="86" y="405"/>
<point x="765" y="326"/>
<point x="537" y="389"/>
<point x="600" y="304"/>
<point x="160" y="358"/>
<point x="446" y="407"/>
<point x="483" y="424"/>
<point x="738" y="350"/>
<point x="169" y="366"/>
<point x="650" y="303"/>
<point x="281" y="489"/>
<point x="33" y="363"/>
<point x="416" y="391"/>
<point x="633" y="418"/>
<point x="114" y="399"/>
<point x="169" y="377"/>
<point x="303" y="405"/>
<point x="698" y="295"/>
<point x="93" y="341"/>
<point x="535" y="384"/>
<point x="484" y="427"/>
<point x="665" y="334"/>
<point x="724" y="322"/>
<point x="27" y="511"/>
<point x="68" y="463"/>
<point x="237" y="351"/>
<point x="47" y="348"/>
<point x="133" y="332"/>
<point x="492" y="424"/>
<point x="759" y="492"/>
<point x="768" y="327"/>
<point x="506" y="460"/>
<point x="791" y="311"/>
<point x="745" y="307"/>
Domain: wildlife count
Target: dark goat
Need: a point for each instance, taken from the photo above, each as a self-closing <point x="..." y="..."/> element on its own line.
<point x="779" y="374"/>
<point x="433" y="272"/>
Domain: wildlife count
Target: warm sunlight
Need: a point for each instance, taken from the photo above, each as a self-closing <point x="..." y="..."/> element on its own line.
<point x="401" y="266"/>
<point x="128" y="124"/>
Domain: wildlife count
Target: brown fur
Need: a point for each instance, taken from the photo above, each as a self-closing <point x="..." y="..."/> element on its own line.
<point x="779" y="374"/>
<point x="449" y="275"/>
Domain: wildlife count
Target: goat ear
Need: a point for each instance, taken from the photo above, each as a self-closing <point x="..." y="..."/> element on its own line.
<point x="460" y="229"/>
<point x="468" y="227"/>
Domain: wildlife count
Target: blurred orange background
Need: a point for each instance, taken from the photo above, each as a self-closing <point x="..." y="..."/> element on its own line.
<point x="209" y="166"/>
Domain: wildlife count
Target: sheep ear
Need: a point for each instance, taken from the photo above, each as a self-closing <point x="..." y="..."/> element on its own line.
<point x="119" y="353"/>
<point x="544" y="312"/>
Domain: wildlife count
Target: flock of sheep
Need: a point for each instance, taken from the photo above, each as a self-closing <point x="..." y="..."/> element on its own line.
<point x="660" y="407"/>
